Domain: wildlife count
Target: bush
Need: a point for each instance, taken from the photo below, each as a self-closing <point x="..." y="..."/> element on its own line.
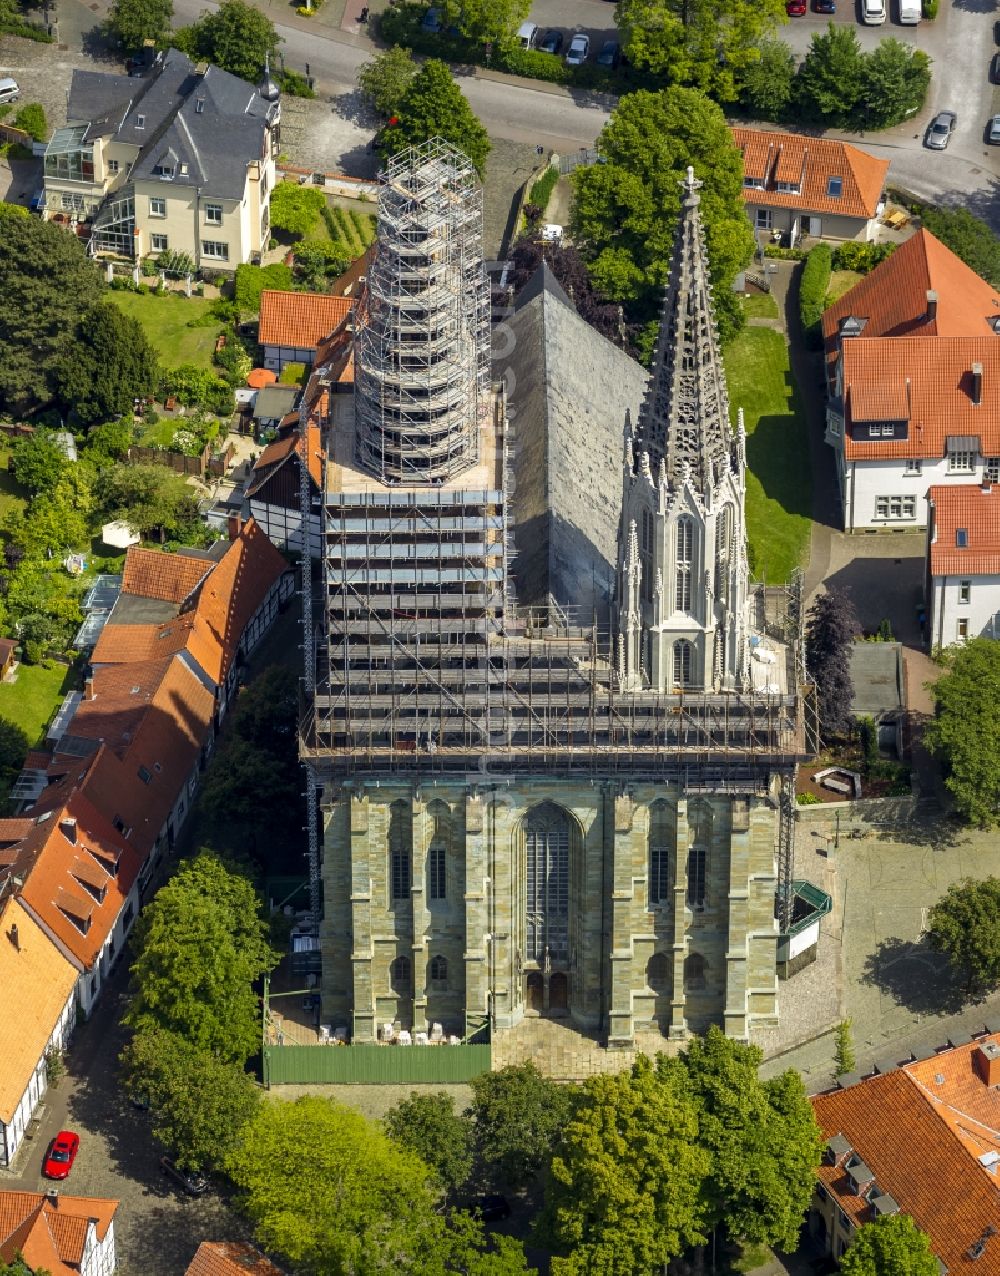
<point x="543" y="188"/>
<point x="929" y="8"/>
<point x="31" y="118"/>
<point x="33" y="652"/>
<point x="252" y="280"/>
<point x="807" y="799"/>
<point x="860" y="257"/>
<point x="295" y="84"/>
<point x="534" y="64"/>
<point x="813" y="287"/>
<point x="784" y="254"/>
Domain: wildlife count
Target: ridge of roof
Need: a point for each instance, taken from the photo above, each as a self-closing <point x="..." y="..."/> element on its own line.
<point x="299" y="319"/>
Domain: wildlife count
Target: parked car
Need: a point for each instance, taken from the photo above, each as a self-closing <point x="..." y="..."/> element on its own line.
<point x="939" y="130"/>
<point x="873" y="12"/>
<point x="995" y="68"/>
<point x="579" y="50"/>
<point x="191" y="1181"/>
<point x="552" y="42"/>
<point x="491" y="1207"/>
<point x="61" y="1155"/>
<point x="993" y="130"/>
<point x="610" y="54"/>
<point x="825" y="6"/>
<point x="432" y="21"/>
<point x="796" y="8"/>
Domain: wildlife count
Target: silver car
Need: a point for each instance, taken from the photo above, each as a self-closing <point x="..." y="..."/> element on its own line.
<point x="579" y="50"/>
<point x="993" y="130"/>
<point x="939" y="130"/>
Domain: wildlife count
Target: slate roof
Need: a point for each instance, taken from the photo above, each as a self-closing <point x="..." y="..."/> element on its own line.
<point x="50" y="1234"/>
<point x="810" y="162"/>
<point x="36" y="979"/>
<point x="975" y="509"/>
<point x="230" y="1258"/>
<point x="299" y="319"/>
<point x="572" y="390"/>
<point x="208" y="126"/>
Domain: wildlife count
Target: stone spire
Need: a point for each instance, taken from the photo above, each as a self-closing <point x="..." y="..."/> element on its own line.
<point x="684" y="420"/>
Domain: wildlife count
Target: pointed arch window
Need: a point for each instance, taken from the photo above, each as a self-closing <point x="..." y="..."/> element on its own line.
<point x="683" y="561"/>
<point x="662" y="839"/>
<point x="682" y="663"/>
<point x="546" y="834"/>
<point x="700" y="822"/>
<point x="723" y="535"/>
<point x="695" y="968"/>
<point x="437" y="861"/>
<point x="646" y="555"/>
<point x="438" y="973"/>
<point x="399" y="975"/>
<point x="400" y="862"/>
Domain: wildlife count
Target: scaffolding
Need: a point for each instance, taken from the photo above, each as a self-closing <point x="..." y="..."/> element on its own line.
<point x="422" y="363"/>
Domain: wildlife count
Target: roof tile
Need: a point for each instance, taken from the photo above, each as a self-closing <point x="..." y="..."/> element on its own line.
<point x="976" y="510"/>
<point x="50" y="1234"/>
<point x="299" y="319"/>
<point x="810" y="161"/>
<point x="230" y="1258"/>
<point x="150" y="573"/>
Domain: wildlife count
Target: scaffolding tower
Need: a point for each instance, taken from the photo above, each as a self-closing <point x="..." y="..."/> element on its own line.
<point x="422" y="361"/>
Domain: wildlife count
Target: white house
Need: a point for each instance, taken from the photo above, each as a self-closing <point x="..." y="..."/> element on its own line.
<point x="61" y="1235"/>
<point x="963" y="563"/>
<point x="913" y="385"/>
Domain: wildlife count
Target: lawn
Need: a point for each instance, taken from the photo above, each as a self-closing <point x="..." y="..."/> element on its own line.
<point x="841" y="281"/>
<point x="13" y="498"/>
<point x="34" y="698"/>
<point x="166" y="320"/>
<point x="760" y="305"/>
<point x="779" y="481"/>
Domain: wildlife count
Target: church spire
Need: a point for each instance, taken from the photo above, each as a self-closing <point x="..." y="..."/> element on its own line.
<point x="684" y="422"/>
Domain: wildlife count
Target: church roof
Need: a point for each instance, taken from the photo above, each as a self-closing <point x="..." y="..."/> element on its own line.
<point x="684" y="421"/>
<point x="570" y="390"/>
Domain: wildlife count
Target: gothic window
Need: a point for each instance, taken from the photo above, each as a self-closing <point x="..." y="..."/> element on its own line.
<point x="696" y="877"/>
<point x="400" y="863"/>
<point x="658" y="972"/>
<point x="662" y="838"/>
<point x="682" y="664"/>
<point x="723" y="534"/>
<point x="646" y="555"/>
<point x="438" y="973"/>
<point x="399" y="975"/>
<point x="546" y="834"/>
<point x="436" y="862"/>
<point x="694" y="972"/>
<point x="684" y="559"/>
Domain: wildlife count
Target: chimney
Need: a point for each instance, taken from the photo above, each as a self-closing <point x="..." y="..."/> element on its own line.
<point x="931" y="305"/>
<point x="67" y="826"/>
<point x="986" y="1062"/>
<point x="235" y="525"/>
<point x="977" y="384"/>
<point x="88" y="688"/>
<point x="14" y="937"/>
<point x="52" y="1197"/>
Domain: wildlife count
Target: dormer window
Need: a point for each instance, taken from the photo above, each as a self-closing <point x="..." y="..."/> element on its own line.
<point x="788" y="188"/>
<point x="756" y="183"/>
<point x="834" y="187"/>
<point x="199" y="106"/>
<point x="164" y="171"/>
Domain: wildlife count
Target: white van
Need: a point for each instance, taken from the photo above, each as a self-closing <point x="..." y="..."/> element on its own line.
<point x="527" y="35"/>
<point x="9" y="92"/>
<point x="909" y="12"/>
<point x="873" y="12"/>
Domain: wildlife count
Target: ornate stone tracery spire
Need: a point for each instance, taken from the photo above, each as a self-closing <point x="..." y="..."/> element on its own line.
<point x="685" y="417"/>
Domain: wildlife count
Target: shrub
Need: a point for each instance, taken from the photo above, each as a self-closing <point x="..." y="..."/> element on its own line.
<point x="542" y="189"/>
<point x="295" y="84"/>
<point x="863" y="258"/>
<point x="31" y="118"/>
<point x="813" y="286"/>
<point x="929" y="8"/>
<point x="33" y="652"/>
<point x="534" y="64"/>
<point x="784" y="254"/>
<point x="807" y="799"/>
<point x="252" y="280"/>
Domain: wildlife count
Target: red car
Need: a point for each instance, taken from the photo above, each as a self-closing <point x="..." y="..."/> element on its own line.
<point x="61" y="1155"/>
<point x="796" y="8"/>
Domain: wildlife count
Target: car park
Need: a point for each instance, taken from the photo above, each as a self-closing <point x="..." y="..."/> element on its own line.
<point x="993" y="131"/>
<point x="193" y="1183"/>
<point x="61" y="1155"/>
<point x="939" y="130"/>
<point x="579" y="50"/>
<point x="552" y="42"/>
<point x="610" y="54"/>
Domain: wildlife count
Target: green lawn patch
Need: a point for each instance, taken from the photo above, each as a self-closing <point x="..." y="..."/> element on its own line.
<point x="841" y="281"/>
<point x="166" y="320"/>
<point x="760" y="305"/>
<point x="779" y="481"/>
<point x="13" y="497"/>
<point x="34" y="698"/>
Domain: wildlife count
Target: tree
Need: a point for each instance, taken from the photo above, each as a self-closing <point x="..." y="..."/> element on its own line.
<point x="831" y="629"/>
<point x="237" y="37"/>
<point x="200" y="1105"/>
<point x="830" y="82"/>
<point x="13" y="750"/>
<point x="518" y="1116"/>
<point x="429" y="1125"/>
<point x="844" y="1058"/>
<point x="384" y="80"/>
<point x="47" y="283"/>
<point x="38" y="462"/>
<point x="111" y="440"/>
<point x="768" y="84"/>
<point x="891" y="1246"/>
<point x="626" y="208"/>
<point x="201" y="944"/>
<point x="250" y="282"/>
<point x="896" y="79"/>
<point x="626" y="1184"/>
<point x="704" y="44"/>
<point x="150" y="498"/>
<point x="296" y="208"/>
<point x="110" y="365"/>
<point x="761" y="1139"/>
<point x="134" y="22"/>
<point x="966" y="727"/>
<point x="965" y="925"/>
<point x="434" y="106"/>
<point x="493" y="20"/>
<point x="567" y="264"/>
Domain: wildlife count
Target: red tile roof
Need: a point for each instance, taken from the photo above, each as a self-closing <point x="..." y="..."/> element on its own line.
<point x="50" y="1234"/>
<point x="976" y="510"/>
<point x="122" y="644"/>
<point x="916" y="1158"/>
<point x="299" y="319"/>
<point x="150" y="573"/>
<point x="810" y="162"/>
<point x="230" y="1258"/>
<point x="934" y="376"/>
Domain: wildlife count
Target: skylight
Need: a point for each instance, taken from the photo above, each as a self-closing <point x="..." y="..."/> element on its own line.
<point x="835" y="187"/>
<point x="962" y="538"/>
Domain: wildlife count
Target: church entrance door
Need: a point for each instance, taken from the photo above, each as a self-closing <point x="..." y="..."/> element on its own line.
<point x="535" y="992"/>
<point x="558" y="993"/>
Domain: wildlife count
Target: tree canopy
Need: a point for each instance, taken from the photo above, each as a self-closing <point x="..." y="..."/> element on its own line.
<point x="136" y="21"/>
<point x="482" y="20"/>
<point x="965" y="731"/>
<point x="296" y="208"/>
<point x="150" y="498"/>
<point x="831" y="628"/>
<point x="965" y="925"/>
<point x="896" y="79"/>
<point x="14" y="745"/>
<point x="38" y="462"/>
<point x="830" y="82"/>
<point x="111" y="364"/>
<point x="201" y="944"/>
<point x="626" y="207"/>
<point x="429" y="1125"/>
<point x="891" y="1246"/>
<point x="518" y="1116"/>
<point x="236" y="37"/>
<point x="968" y="237"/>
<point x="434" y="106"/>
<point x="769" y="83"/>
<point x="385" y="78"/>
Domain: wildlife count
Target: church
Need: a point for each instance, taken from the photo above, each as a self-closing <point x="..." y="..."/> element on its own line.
<point x="552" y="729"/>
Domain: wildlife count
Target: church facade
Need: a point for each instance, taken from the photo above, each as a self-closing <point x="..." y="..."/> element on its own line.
<point x="521" y="814"/>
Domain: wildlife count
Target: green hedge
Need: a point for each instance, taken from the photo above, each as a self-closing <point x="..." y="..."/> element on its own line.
<point x="930" y="8"/>
<point x="543" y="188"/>
<point x="863" y="258"/>
<point x="784" y="254"/>
<point x="813" y="287"/>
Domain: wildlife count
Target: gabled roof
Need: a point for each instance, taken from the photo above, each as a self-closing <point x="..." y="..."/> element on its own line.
<point x="37" y="981"/>
<point x="124" y="644"/>
<point x="974" y="510"/>
<point x="299" y="319"/>
<point x="893" y="298"/>
<point x="926" y="381"/>
<point x="230" y="1258"/>
<point x="51" y="1233"/>
<point x="150" y="573"/>
<point x="813" y="163"/>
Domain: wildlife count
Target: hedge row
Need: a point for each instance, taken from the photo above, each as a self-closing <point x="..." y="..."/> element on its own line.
<point x="543" y="188"/>
<point x="813" y="287"/>
<point x="853" y="255"/>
